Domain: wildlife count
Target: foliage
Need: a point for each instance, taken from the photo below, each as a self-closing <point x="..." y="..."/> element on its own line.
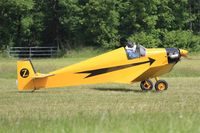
<point x="148" y="40"/>
<point x="177" y="38"/>
<point x="76" y="23"/>
<point x="181" y="39"/>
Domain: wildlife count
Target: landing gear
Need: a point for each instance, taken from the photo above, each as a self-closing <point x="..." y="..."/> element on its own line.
<point x="160" y="85"/>
<point x="146" y="85"/>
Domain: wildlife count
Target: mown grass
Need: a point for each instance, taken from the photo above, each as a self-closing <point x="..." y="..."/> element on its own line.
<point x="101" y="108"/>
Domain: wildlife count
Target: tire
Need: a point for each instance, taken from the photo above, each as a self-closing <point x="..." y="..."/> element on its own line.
<point x="161" y="85"/>
<point x="146" y="85"/>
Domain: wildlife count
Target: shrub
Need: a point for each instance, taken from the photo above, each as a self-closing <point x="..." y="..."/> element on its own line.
<point x="182" y="39"/>
<point x="167" y="39"/>
<point x="147" y="40"/>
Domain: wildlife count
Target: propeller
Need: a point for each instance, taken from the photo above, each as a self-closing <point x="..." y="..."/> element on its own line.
<point x="189" y="58"/>
<point x="184" y="53"/>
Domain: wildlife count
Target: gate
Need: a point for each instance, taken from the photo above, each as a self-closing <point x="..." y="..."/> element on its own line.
<point x="33" y="52"/>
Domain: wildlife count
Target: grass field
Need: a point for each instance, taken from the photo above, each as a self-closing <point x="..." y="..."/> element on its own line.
<point x="101" y="108"/>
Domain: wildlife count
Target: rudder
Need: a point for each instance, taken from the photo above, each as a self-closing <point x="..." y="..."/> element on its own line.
<point x="25" y="74"/>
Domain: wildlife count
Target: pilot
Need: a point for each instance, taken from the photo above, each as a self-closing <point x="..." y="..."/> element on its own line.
<point x="131" y="50"/>
<point x="131" y="46"/>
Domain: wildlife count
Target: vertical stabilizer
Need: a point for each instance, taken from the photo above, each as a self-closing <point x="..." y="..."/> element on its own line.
<point x="25" y="74"/>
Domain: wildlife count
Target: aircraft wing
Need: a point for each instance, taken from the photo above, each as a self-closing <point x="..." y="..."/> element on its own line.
<point x="132" y="77"/>
<point x="130" y="74"/>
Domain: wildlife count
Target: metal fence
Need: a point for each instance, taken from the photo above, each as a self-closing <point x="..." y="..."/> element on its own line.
<point x="32" y="52"/>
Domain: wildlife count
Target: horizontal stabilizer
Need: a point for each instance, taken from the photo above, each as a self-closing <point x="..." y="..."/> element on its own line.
<point x="40" y="75"/>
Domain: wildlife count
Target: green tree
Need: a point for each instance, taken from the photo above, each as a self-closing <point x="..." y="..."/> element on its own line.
<point x="15" y="21"/>
<point x="76" y="23"/>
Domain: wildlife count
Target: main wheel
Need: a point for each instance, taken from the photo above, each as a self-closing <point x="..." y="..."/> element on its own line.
<point x="146" y="85"/>
<point x="161" y="85"/>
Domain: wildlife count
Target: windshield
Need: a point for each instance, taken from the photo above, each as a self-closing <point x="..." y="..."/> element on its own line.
<point x="142" y="50"/>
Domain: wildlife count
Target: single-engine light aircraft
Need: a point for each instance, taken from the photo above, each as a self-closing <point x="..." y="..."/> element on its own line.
<point x="118" y="66"/>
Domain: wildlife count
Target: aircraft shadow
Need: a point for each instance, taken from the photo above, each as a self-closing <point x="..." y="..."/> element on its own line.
<point x="31" y="92"/>
<point x="98" y="89"/>
<point x="118" y="90"/>
<point x="123" y="90"/>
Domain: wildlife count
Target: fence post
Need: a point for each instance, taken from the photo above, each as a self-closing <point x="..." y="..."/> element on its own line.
<point x="30" y="52"/>
<point x="51" y="52"/>
<point x="8" y="51"/>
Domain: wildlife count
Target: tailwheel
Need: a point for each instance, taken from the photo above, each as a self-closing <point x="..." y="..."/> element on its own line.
<point x="146" y="85"/>
<point x="161" y="85"/>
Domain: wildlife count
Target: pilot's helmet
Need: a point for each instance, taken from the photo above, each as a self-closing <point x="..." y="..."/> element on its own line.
<point x="130" y="44"/>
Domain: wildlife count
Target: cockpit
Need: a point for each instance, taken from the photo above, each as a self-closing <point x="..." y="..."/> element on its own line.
<point x="135" y="51"/>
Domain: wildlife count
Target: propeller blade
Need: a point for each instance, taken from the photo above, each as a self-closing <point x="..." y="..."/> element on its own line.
<point x="189" y="58"/>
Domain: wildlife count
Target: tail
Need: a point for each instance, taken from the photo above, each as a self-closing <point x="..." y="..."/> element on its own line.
<point x="25" y="75"/>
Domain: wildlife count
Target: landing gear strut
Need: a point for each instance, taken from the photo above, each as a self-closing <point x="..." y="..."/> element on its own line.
<point x="160" y="85"/>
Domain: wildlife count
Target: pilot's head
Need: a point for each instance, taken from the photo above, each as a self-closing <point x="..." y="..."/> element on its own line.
<point x="130" y="44"/>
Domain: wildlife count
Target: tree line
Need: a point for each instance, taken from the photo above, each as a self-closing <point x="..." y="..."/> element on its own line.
<point x="101" y="23"/>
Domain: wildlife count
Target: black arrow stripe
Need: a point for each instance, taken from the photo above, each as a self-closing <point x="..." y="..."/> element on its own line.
<point x="115" y="68"/>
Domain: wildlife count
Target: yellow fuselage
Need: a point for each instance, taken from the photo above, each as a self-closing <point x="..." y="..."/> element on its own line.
<point x="111" y="67"/>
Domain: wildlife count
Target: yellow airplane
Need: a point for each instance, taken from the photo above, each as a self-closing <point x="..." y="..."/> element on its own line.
<point x="117" y="66"/>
